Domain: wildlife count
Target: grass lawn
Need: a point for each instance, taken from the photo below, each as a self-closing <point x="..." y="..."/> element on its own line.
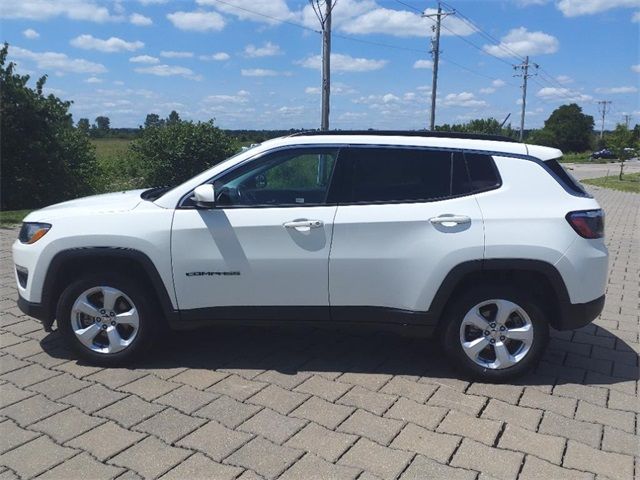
<point x="110" y="148"/>
<point x="630" y="182"/>
<point x="584" y="157"/>
<point x="12" y="217"/>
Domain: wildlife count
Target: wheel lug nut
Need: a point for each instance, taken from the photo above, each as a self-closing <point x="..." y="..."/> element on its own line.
<point x="103" y="311"/>
<point x="113" y="323"/>
<point x="487" y="332"/>
<point x="502" y="337"/>
<point x="492" y="325"/>
<point x="112" y="314"/>
<point x="104" y="327"/>
<point x="492" y="341"/>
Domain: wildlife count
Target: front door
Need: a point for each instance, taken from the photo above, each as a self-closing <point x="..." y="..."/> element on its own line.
<point x="263" y="251"/>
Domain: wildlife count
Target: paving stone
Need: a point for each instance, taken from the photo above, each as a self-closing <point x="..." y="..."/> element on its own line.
<point x="59" y="386"/>
<point x="77" y="369"/>
<point x="606" y="416"/>
<point x="365" y="424"/>
<point x="31" y="410"/>
<point x="198" y="466"/>
<point x="373" y="458"/>
<point x="536" y="399"/>
<point x="284" y="380"/>
<point x="418" y="392"/>
<point x="511" y="414"/>
<point x="249" y="475"/>
<point x="11" y="435"/>
<point x="536" y="469"/>
<point x="480" y="429"/>
<point x="129" y="411"/>
<point x="105" y="441"/>
<point x="237" y="387"/>
<point x="323" y="388"/>
<point x="28" y="375"/>
<point x="24" y="349"/>
<point x="320" y="441"/>
<point x="214" y="440"/>
<point x="507" y="393"/>
<point x="228" y="411"/>
<point x="170" y="425"/>
<point x="546" y="447"/>
<point x="42" y="454"/>
<point x="150" y="457"/>
<point x="374" y="402"/>
<point x="450" y="398"/>
<point x="9" y="363"/>
<point x="115" y="377"/>
<point x="622" y="401"/>
<point x="149" y="387"/>
<point x="93" y="398"/>
<point x="311" y="467"/>
<point x="438" y="446"/>
<point x="498" y="463"/>
<point x="595" y="395"/>
<point x="67" y="424"/>
<point x="370" y="381"/>
<point x="615" y="440"/>
<point x="199" y="378"/>
<point x="12" y="394"/>
<point x="610" y="465"/>
<point x="409" y="411"/>
<point x="186" y="399"/>
<point x="422" y="468"/>
<point x="588" y="433"/>
<point x="84" y="465"/>
<point x="264" y="457"/>
<point x="272" y="426"/>
<point x="320" y="411"/>
<point x="278" y="399"/>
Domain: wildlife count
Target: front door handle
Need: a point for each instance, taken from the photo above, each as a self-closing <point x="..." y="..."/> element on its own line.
<point x="303" y="224"/>
<point x="450" y="220"/>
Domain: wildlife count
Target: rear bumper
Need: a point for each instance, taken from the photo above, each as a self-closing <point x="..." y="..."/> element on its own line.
<point x="37" y="311"/>
<point x="577" y="315"/>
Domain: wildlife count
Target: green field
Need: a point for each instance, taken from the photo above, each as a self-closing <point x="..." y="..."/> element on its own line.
<point x="12" y="217"/>
<point x="584" y="157"/>
<point x="630" y="182"/>
<point x="116" y="172"/>
<point x="110" y="148"/>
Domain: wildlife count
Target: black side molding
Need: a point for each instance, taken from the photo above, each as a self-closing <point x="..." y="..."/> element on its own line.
<point x="37" y="311"/>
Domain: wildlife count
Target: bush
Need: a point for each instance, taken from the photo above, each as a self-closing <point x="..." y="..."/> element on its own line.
<point x="44" y="159"/>
<point x="175" y="152"/>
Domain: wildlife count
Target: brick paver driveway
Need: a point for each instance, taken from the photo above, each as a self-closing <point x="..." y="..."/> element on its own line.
<point x="245" y="403"/>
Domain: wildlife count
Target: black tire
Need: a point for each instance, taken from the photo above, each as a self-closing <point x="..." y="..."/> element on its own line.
<point x="149" y="325"/>
<point x="453" y="319"/>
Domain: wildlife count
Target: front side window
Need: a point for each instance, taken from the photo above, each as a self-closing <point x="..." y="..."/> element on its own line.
<point x="288" y="178"/>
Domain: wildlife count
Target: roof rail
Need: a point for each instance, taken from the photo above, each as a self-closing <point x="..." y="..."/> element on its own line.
<point x="408" y="133"/>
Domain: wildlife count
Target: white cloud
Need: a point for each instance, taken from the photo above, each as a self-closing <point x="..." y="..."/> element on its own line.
<point x="635" y="68"/>
<point x="562" y="94"/>
<point x="242" y="9"/>
<point x="613" y="90"/>
<point x="93" y="80"/>
<point x="267" y="50"/>
<point x="487" y="90"/>
<point x="564" y="79"/>
<point x="218" y="57"/>
<point x="423" y="64"/>
<point x="463" y="99"/>
<point x="635" y="18"/>
<point x="498" y="83"/>
<point x="169" y="71"/>
<point x="175" y="54"/>
<point x="144" y="59"/>
<point x="523" y="42"/>
<point x="197" y="21"/>
<point x="30" y="33"/>
<point x="139" y="19"/>
<point x="313" y="90"/>
<point x="44" y="9"/>
<point x="574" y="8"/>
<point x="112" y="44"/>
<point x="344" y="63"/>
<point x="240" y="97"/>
<point x="258" y="72"/>
<point x="58" y="62"/>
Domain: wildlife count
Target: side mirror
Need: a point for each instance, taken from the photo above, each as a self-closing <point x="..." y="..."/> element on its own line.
<point x="204" y="196"/>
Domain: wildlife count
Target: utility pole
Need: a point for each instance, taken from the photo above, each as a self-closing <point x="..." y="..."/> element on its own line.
<point x="435" y="52"/>
<point x="627" y="120"/>
<point x="325" y="23"/>
<point x="524" y="66"/>
<point x="603" y="106"/>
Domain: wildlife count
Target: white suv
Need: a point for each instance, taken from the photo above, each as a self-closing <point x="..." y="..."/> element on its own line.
<point x="482" y="240"/>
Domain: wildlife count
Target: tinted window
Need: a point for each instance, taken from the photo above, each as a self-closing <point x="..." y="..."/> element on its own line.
<point x="482" y="172"/>
<point x="565" y="178"/>
<point x="291" y="177"/>
<point x="396" y="175"/>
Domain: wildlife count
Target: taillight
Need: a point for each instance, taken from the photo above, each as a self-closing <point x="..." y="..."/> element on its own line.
<point x="587" y="223"/>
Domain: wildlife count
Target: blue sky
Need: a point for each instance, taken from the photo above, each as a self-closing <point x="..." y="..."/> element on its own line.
<point x="255" y="63"/>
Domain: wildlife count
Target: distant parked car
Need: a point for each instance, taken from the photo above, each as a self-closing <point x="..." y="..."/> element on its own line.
<point x="604" y="153"/>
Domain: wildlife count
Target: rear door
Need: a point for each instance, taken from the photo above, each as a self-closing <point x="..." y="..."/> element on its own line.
<point x="405" y="219"/>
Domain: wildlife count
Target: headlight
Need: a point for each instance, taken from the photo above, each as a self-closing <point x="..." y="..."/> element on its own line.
<point x="31" y="232"/>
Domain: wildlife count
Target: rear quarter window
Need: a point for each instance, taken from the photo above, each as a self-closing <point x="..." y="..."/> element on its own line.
<point x="565" y="179"/>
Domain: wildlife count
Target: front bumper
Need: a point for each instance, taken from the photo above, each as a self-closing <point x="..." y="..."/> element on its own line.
<point x="37" y="311"/>
<point x="577" y="315"/>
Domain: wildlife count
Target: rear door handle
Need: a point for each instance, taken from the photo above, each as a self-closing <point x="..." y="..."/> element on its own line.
<point x="303" y="224"/>
<point x="450" y="220"/>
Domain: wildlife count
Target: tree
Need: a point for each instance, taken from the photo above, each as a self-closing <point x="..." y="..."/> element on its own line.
<point x="621" y="142"/>
<point x="153" y="120"/>
<point x="571" y="130"/>
<point x="178" y="151"/>
<point x="44" y="159"/>
<point x="102" y="125"/>
<point x="83" y="125"/>
<point x="173" y="118"/>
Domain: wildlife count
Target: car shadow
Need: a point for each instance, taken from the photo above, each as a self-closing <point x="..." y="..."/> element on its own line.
<point x="294" y="350"/>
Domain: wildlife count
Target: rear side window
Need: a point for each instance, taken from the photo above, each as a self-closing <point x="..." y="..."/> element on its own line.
<point x="565" y="179"/>
<point x="383" y="175"/>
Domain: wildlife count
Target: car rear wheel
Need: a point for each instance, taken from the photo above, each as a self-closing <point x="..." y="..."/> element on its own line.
<point x="495" y="333"/>
<point x="107" y="320"/>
